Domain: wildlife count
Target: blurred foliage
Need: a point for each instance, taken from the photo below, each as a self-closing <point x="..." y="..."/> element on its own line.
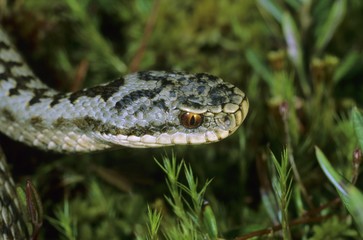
<point x="300" y="64"/>
<point x="349" y="194"/>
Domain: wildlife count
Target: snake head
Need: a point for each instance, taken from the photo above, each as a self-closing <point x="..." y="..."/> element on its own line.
<point x="170" y="108"/>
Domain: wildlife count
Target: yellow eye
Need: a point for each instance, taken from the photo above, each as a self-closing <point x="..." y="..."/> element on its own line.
<point x="191" y="120"/>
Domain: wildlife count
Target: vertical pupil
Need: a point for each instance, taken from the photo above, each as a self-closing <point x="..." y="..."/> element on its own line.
<point x="192" y="120"/>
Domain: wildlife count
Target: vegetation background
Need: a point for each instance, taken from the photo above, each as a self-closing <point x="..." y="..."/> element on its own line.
<point x="300" y="63"/>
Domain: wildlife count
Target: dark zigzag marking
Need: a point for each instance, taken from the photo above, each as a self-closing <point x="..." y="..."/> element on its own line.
<point x="134" y="96"/>
<point x="158" y="103"/>
<point x="21" y="84"/>
<point x="39" y="93"/>
<point x="105" y="91"/>
<point x="56" y="98"/>
<point x="176" y="75"/>
<point x="167" y="78"/>
<point x="8" y="65"/>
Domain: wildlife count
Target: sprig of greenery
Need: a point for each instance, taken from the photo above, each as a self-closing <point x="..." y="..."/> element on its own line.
<point x="154" y="220"/>
<point x="189" y="211"/>
<point x="64" y="222"/>
<point x="282" y="185"/>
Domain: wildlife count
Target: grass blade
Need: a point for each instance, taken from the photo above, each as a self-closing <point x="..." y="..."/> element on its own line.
<point x="336" y="15"/>
<point x="347" y="65"/>
<point x="349" y="194"/>
<point x="294" y="49"/>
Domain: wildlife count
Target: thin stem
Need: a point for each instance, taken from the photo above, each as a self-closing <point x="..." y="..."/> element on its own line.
<point x="284" y="109"/>
<point x="279" y="227"/>
<point x="135" y="62"/>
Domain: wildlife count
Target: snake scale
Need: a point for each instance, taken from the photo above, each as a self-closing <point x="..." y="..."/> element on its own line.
<point x="143" y="109"/>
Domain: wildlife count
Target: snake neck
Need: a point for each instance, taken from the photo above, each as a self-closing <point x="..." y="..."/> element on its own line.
<point x="28" y="108"/>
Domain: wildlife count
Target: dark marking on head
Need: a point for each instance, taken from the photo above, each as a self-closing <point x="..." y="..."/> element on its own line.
<point x="175" y="79"/>
<point x="104" y="91"/>
<point x="8" y="115"/>
<point x="172" y="94"/>
<point x="142" y="108"/>
<point x="134" y="96"/>
<point x="166" y="78"/>
<point x="206" y="76"/>
<point x="160" y="104"/>
<point x="150" y="76"/>
<point x="218" y="94"/>
<point x="201" y="89"/>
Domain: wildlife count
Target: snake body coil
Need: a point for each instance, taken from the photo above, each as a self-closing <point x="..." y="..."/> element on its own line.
<point x="144" y="109"/>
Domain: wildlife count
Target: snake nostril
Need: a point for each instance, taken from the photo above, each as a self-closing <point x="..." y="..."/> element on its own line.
<point x="226" y="122"/>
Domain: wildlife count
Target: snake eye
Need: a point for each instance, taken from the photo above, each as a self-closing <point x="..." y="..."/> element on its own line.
<point x="191" y="120"/>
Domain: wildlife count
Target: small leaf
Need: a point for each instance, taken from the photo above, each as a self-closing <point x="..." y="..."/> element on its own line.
<point x="349" y="194"/>
<point x="336" y="15"/>
<point x="345" y="67"/>
<point x="35" y="208"/>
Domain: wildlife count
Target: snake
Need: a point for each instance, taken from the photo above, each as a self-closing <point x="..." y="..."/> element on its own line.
<point x="139" y="110"/>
